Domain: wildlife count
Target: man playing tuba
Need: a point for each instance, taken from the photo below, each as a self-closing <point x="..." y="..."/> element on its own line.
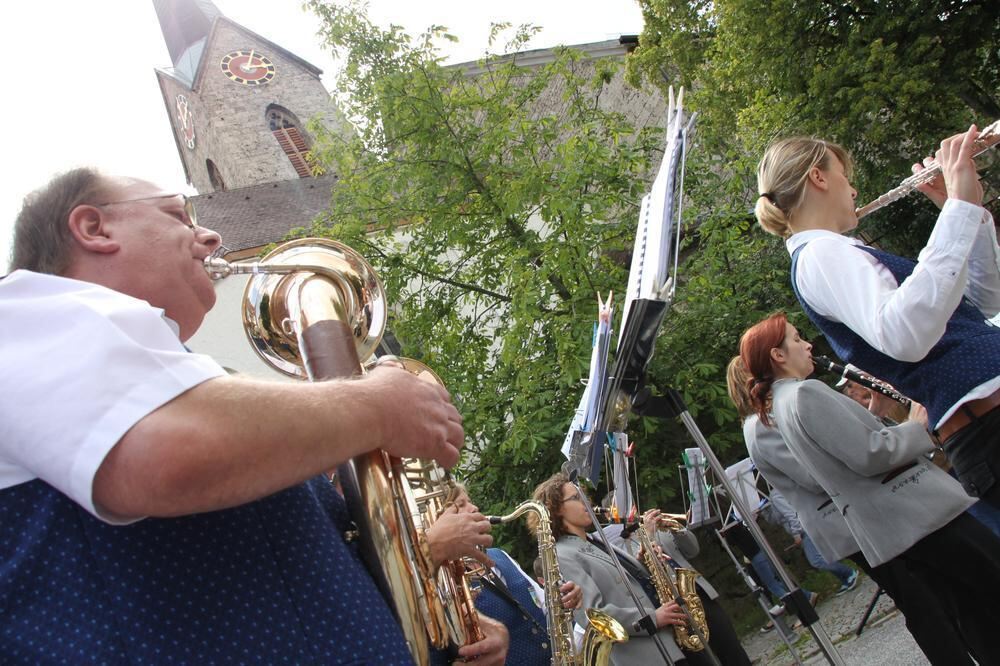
<point x="194" y="500"/>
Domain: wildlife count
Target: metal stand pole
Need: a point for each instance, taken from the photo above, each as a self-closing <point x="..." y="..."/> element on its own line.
<point x="762" y="600"/>
<point x="868" y="613"/>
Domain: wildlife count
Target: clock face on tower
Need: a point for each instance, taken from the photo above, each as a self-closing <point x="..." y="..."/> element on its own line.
<point x="187" y="120"/>
<point x="248" y="67"/>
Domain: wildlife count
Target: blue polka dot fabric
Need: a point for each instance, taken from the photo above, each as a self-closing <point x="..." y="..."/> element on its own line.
<point x="529" y="638"/>
<point x="967" y="355"/>
<point x="269" y="582"/>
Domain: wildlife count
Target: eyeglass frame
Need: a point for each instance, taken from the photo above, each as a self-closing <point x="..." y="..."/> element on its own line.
<point x="189" y="211"/>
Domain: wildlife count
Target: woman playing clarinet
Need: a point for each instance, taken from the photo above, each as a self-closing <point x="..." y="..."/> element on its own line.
<point x="919" y="325"/>
<point x="899" y="506"/>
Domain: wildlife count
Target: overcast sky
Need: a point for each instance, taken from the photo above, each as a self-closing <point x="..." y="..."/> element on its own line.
<point x="79" y="86"/>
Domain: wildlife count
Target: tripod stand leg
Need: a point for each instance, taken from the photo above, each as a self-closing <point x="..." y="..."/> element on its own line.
<point x="868" y="613"/>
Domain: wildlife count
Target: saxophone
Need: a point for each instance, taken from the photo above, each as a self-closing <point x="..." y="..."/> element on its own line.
<point x="603" y="631"/>
<point x="684" y="588"/>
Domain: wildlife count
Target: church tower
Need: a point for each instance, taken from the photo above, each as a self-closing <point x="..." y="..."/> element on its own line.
<point x="238" y="102"/>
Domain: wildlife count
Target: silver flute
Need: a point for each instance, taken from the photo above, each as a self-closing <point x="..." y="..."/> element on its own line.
<point x="825" y="363"/>
<point x="989" y="136"/>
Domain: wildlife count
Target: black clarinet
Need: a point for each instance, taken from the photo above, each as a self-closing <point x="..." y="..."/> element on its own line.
<point x="825" y="363"/>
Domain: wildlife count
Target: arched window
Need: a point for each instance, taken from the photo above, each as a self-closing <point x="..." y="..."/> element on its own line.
<point x="215" y="177"/>
<point x="287" y="130"/>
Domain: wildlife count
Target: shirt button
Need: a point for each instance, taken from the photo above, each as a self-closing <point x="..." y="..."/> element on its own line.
<point x="545" y="646"/>
<point x="534" y="630"/>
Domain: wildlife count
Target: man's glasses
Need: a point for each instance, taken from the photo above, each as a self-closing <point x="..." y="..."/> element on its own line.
<point x="190" y="217"/>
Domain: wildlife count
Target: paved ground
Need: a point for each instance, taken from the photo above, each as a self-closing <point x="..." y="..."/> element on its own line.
<point x="884" y="641"/>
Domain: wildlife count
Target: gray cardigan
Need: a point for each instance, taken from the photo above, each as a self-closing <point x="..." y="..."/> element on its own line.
<point x="593" y="570"/>
<point x="889" y="494"/>
<point x="819" y="516"/>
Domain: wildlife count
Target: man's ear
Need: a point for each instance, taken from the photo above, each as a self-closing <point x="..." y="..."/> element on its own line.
<point x="88" y="226"/>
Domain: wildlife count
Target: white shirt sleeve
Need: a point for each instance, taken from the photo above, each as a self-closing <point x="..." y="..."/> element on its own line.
<point x="984" y="269"/>
<point x="82" y="365"/>
<point x="846" y="284"/>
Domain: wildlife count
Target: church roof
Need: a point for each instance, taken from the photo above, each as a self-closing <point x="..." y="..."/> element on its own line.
<point x="251" y="217"/>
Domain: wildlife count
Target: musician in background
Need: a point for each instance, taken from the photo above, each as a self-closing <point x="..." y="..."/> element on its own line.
<point x="678" y="546"/>
<point x="154" y="507"/>
<point x="897" y="505"/>
<point x="507" y="594"/>
<point x="584" y="560"/>
<point x="920" y="326"/>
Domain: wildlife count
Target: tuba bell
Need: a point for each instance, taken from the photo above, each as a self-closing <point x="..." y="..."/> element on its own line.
<point x="311" y="309"/>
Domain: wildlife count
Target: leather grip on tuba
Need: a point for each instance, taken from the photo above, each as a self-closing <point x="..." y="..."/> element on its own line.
<point x="329" y="351"/>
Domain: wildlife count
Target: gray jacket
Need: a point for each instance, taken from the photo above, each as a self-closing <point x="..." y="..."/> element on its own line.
<point x="889" y="494"/>
<point x="593" y="570"/>
<point x="818" y="515"/>
<point x="680" y="546"/>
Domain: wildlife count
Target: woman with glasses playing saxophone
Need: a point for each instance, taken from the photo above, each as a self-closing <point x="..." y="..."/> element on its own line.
<point x="507" y="594"/>
<point x="587" y="563"/>
<point x="678" y="544"/>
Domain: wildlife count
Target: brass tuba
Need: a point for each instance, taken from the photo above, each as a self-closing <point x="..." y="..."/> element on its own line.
<point x="313" y="308"/>
<point x="602" y="632"/>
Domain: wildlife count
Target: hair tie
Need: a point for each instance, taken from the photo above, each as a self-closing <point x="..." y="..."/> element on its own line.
<point x="770" y="197"/>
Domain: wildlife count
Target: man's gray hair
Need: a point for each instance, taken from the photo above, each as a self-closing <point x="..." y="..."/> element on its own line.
<point x="42" y="241"/>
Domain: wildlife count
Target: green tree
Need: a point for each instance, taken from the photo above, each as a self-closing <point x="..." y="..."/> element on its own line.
<point x="886" y="79"/>
<point x="495" y="206"/>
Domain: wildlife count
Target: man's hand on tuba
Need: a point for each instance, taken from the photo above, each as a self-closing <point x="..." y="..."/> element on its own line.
<point x="417" y="419"/>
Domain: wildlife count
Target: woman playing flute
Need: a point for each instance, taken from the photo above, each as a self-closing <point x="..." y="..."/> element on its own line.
<point x="919" y="325"/>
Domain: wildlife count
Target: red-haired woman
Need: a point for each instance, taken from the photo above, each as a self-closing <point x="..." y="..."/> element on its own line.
<point x="896" y="503"/>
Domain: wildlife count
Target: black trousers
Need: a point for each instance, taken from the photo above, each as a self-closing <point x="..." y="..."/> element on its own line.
<point x="960" y="566"/>
<point x="933" y="628"/>
<point x="974" y="453"/>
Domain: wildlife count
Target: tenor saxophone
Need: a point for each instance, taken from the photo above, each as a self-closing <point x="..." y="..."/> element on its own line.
<point x="603" y="631"/>
<point x="668" y="590"/>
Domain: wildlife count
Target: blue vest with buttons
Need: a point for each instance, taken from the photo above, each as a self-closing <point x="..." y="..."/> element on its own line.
<point x="967" y="355"/>
<point x="529" y="642"/>
<point x="270" y="582"/>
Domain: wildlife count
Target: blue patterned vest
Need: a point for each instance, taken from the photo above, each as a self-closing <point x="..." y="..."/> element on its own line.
<point x="529" y="639"/>
<point x="269" y="582"/>
<point x="967" y="355"/>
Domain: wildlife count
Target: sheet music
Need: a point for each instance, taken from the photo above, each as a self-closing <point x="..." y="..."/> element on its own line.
<point x="588" y="411"/>
<point x="651" y="252"/>
<point x="701" y="508"/>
